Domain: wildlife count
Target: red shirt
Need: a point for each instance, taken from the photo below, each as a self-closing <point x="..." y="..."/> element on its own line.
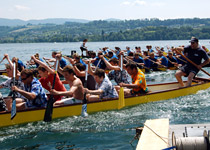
<point x="48" y="82"/>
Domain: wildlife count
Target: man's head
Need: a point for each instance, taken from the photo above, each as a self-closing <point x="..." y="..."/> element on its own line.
<point x="114" y="61"/>
<point x="99" y="75"/>
<point x="194" y="43"/>
<point x="68" y="73"/>
<point x="136" y="55"/>
<point x="152" y="55"/>
<point x="26" y="76"/>
<point x="110" y="54"/>
<point x="8" y="70"/>
<point x="54" y="53"/>
<point x="14" y="59"/>
<point x="170" y="54"/>
<point x="42" y="71"/>
<point x="131" y="68"/>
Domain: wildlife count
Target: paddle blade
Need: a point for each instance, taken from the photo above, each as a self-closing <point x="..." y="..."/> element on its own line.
<point x="13" y="111"/>
<point x="121" y="101"/>
<point x="84" y="110"/>
<point x="49" y="110"/>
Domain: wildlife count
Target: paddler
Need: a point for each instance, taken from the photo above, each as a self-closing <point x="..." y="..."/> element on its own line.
<point x="194" y="53"/>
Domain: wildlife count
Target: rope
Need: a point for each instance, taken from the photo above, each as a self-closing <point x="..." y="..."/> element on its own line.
<point x="191" y="143"/>
<point x="162" y="138"/>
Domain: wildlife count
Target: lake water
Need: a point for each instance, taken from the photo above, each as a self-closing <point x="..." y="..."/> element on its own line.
<point x="101" y="130"/>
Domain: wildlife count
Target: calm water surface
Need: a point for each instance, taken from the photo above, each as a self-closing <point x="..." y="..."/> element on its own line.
<point x="102" y="130"/>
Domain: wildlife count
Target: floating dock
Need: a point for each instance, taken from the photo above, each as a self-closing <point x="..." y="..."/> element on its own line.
<point x="157" y="134"/>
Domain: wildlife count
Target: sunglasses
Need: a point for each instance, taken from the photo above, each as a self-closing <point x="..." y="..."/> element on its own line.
<point x="23" y="79"/>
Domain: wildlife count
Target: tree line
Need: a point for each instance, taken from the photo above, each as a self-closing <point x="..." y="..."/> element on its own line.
<point x="127" y="30"/>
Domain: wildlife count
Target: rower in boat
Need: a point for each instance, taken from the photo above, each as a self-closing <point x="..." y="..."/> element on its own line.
<point x="195" y="54"/>
<point x="96" y="60"/>
<point x="47" y="76"/>
<point x="33" y="92"/>
<point x="104" y="87"/>
<point x="79" y="70"/>
<point x="9" y="82"/>
<point x="75" y="94"/>
<point x="172" y="61"/>
<point x="139" y="60"/>
<point x="162" y="59"/>
<point x="76" y="59"/>
<point x="20" y="65"/>
<point x="116" y="74"/>
<point x="138" y="85"/>
<point x="138" y="50"/>
<point x="62" y="61"/>
<point x="153" y="62"/>
<point x="31" y="62"/>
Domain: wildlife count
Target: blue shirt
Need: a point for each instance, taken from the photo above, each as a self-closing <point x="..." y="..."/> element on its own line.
<point x="20" y="64"/>
<point x="38" y="90"/>
<point x="164" y="61"/>
<point x="63" y="62"/>
<point x="138" y="60"/>
<point x="108" y="89"/>
<point x="173" y="59"/>
<point x="37" y="65"/>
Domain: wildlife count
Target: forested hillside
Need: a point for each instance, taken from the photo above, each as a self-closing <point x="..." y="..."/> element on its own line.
<point x="127" y="30"/>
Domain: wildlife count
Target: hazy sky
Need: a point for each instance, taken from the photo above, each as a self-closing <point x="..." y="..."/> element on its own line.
<point x="98" y="9"/>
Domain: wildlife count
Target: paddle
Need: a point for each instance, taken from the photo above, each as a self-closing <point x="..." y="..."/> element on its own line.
<point x="128" y="59"/>
<point x="84" y="106"/>
<point x="13" y="110"/>
<point x="192" y="63"/>
<point x="2" y="59"/>
<point x="49" y="108"/>
<point x="98" y="63"/>
<point x="121" y="101"/>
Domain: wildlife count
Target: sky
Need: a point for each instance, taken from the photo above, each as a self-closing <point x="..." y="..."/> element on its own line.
<point x="100" y="10"/>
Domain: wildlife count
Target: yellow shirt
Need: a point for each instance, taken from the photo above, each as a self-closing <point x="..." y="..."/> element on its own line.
<point x="140" y="80"/>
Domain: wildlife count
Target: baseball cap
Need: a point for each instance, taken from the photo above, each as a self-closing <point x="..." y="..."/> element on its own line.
<point x="193" y="39"/>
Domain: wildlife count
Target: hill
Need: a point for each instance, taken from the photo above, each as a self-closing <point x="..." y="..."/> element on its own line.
<point x="111" y="30"/>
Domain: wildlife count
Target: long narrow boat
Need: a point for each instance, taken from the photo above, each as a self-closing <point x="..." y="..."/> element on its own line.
<point x="3" y="72"/>
<point x="157" y="92"/>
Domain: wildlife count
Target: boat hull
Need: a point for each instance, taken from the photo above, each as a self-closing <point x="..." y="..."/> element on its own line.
<point x="158" y="93"/>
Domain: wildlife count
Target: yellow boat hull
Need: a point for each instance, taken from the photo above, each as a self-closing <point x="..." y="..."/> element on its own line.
<point x="158" y="92"/>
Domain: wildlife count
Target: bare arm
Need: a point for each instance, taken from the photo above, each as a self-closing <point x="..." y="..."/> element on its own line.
<point x="94" y="92"/>
<point x="109" y="66"/>
<point x="43" y="65"/>
<point x="10" y="62"/>
<point x="28" y="95"/>
<point x="78" y="72"/>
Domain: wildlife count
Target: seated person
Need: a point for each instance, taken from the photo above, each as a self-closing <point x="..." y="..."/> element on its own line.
<point x="163" y="60"/>
<point x="62" y="61"/>
<point x="20" y="65"/>
<point x="116" y="74"/>
<point x="9" y="82"/>
<point x="31" y="62"/>
<point x="139" y="60"/>
<point x="75" y="93"/>
<point x="47" y="77"/>
<point x="34" y="94"/>
<point x="79" y="70"/>
<point x="138" y="85"/>
<point x="172" y="61"/>
<point x="104" y="87"/>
